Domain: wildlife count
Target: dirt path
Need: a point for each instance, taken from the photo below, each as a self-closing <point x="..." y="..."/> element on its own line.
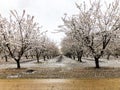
<point x="60" y="84"/>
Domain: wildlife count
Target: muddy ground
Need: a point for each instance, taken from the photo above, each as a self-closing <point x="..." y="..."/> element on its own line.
<point x="60" y="84"/>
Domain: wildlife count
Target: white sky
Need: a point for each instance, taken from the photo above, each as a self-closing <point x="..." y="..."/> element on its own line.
<point x="48" y="13"/>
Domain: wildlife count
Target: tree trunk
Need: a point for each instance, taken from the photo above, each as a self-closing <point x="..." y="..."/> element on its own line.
<point x="26" y="56"/>
<point x="79" y="55"/>
<point x="70" y="56"/>
<point x="116" y="55"/>
<point x="37" y="56"/>
<point x="18" y="63"/>
<point x="37" y="59"/>
<point x="6" y="59"/>
<point x="97" y="62"/>
<point x="44" y="58"/>
<point x="74" y="57"/>
<point x="31" y="56"/>
<point x="47" y="57"/>
<point x="79" y="58"/>
<point x="108" y="56"/>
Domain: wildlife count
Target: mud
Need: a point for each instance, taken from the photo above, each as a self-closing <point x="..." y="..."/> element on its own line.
<point x="60" y="84"/>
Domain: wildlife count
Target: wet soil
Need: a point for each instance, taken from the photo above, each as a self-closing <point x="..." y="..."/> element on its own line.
<point x="60" y="84"/>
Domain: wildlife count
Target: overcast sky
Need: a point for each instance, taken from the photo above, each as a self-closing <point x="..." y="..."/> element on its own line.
<point x="48" y="13"/>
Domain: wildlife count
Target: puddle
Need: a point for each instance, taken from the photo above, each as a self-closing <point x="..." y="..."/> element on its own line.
<point x="13" y="76"/>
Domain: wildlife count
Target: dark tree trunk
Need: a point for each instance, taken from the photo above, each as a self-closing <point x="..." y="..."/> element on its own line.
<point x="116" y="55"/>
<point x="37" y="59"/>
<point x="74" y="57"/>
<point x="6" y="59"/>
<point x="69" y="56"/>
<point x="31" y="56"/>
<point x="79" y="56"/>
<point x="108" y="56"/>
<point x="26" y="56"/>
<point x="37" y="56"/>
<point x="18" y="63"/>
<point x="47" y="57"/>
<point x="97" y="62"/>
<point x="44" y="58"/>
